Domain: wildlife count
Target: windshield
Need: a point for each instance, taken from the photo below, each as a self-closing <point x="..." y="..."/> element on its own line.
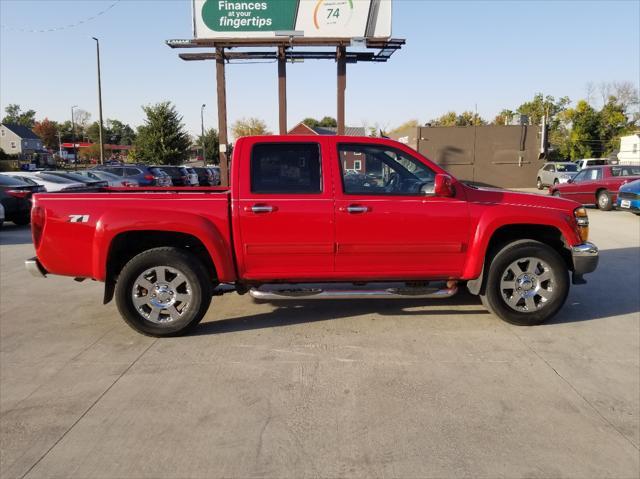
<point x="566" y="167"/>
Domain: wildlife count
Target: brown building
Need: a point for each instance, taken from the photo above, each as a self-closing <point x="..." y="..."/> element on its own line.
<point x="351" y="162"/>
<point x="503" y="156"/>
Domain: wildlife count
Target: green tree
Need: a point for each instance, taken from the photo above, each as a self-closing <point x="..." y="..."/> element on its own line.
<point x="448" y="119"/>
<point x="504" y="117"/>
<point x="93" y="133"/>
<point x="211" y="144"/>
<point x="162" y="138"/>
<point x="409" y="124"/>
<point x="15" y="115"/>
<point x="329" y="121"/>
<point x="249" y="127"/>
<point x="311" y="122"/>
<point x="583" y="139"/>
<point x="47" y="130"/>
<point x="120" y="133"/>
<point x="469" y="118"/>
<point x="542" y="105"/>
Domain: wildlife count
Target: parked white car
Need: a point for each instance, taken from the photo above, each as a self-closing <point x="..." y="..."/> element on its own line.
<point x="555" y="173"/>
<point x="52" y="183"/>
<point x="582" y="164"/>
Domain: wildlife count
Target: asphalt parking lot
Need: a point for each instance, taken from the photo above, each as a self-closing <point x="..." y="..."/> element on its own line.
<point x="333" y="389"/>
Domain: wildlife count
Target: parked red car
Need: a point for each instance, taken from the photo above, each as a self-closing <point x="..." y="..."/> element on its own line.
<point x="292" y="226"/>
<point x="597" y="185"/>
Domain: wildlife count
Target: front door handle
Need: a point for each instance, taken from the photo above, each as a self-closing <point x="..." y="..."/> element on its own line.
<point x="260" y="209"/>
<point x="356" y="209"/>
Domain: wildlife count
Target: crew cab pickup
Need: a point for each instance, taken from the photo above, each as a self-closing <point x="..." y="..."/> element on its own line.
<point x="309" y="217"/>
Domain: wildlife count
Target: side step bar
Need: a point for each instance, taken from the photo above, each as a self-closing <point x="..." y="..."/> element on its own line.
<point x="281" y="292"/>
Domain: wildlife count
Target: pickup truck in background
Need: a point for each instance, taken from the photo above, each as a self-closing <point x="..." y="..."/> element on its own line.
<point x="310" y="217"/>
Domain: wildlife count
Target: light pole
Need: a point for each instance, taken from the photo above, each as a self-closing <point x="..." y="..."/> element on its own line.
<point x="204" y="154"/>
<point x="73" y="137"/>
<point x="99" y="100"/>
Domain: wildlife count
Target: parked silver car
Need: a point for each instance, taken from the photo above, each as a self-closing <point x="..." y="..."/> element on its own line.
<point x="556" y="173"/>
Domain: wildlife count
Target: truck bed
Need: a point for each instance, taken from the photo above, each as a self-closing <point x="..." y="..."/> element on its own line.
<point x="77" y="228"/>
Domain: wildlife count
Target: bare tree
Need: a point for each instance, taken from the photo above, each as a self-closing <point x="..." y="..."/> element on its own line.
<point x="590" y="89"/>
<point x="605" y="91"/>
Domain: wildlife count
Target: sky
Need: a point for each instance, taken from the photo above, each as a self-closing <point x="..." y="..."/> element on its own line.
<point x="459" y="54"/>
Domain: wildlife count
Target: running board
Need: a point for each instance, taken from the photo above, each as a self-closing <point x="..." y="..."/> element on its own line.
<point x="295" y="292"/>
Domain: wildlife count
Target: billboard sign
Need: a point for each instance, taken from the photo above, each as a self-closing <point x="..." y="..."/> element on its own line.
<point x="225" y="19"/>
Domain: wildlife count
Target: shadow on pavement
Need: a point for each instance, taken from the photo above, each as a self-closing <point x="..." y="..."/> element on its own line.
<point x="612" y="290"/>
<point x="288" y="313"/>
<point x="13" y="234"/>
<point x="605" y="295"/>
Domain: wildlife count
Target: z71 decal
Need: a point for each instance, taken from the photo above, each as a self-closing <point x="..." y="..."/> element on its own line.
<point x="78" y="218"/>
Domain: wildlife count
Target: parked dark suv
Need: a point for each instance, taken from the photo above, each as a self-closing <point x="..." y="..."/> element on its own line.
<point x="179" y="174"/>
<point x="145" y="175"/>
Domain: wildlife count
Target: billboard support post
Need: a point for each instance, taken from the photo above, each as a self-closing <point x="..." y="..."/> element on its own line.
<point x="282" y="89"/>
<point x="222" y="116"/>
<point x="341" y="57"/>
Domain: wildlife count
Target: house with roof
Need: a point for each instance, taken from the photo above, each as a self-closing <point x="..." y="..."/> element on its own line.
<point x="22" y="142"/>
<point x="351" y="161"/>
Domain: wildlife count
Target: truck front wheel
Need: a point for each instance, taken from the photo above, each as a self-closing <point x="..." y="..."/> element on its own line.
<point x="163" y="292"/>
<point x="528" y="283"/>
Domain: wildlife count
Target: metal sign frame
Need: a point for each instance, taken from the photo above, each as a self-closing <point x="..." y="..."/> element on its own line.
<point x="284" y="50"/>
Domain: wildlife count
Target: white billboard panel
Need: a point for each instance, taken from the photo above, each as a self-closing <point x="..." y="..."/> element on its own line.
<point x="314" y="18"/>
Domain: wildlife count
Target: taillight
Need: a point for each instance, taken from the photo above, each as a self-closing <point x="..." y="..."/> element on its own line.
<point x="19" y="193"/>
<point x="149" y="177"/>
<point x="37" y="224"/>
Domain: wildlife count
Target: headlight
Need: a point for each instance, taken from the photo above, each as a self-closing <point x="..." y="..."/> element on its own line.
<point x="582" y="223"/>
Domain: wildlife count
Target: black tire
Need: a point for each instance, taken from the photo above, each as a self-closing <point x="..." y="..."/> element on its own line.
<point x="539" y="184"/>
<point x="603" y="200"/>
<point x="556" y="287"/>
<point x="22" y="220"/>
<point x="556" y="194"/>
<point x="555" y="182"/>
<point x="197" y="285"/>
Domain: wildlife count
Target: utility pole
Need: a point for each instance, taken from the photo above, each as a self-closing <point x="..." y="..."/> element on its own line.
<point x="99" y="100"/>
<point x="73" y="136"/>
<point x="204" y="154"/>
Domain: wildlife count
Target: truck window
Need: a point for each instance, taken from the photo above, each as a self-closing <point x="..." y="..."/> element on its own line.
<point x="381" y="170"/>
<point x="287" y="168"/>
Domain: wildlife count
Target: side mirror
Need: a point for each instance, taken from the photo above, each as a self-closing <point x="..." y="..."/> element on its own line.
<point x="443" y="186"/>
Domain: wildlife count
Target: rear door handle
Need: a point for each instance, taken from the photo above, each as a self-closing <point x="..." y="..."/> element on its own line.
<point x="260" y="209"/>
<point x="355" y="209"/>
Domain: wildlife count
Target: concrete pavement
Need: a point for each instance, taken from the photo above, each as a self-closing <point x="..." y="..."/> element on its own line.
<point x="331" y="389"/>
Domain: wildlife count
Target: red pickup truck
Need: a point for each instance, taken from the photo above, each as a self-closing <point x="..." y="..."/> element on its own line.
<point x="597" y="185"/>
<point x="318" y="218"/>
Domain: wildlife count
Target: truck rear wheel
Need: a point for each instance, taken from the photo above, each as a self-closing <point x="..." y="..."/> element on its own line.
<point x="163" y="292"/>
<point x="527" y="283"/>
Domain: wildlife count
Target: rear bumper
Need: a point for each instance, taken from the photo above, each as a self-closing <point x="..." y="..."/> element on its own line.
<point x="35" y="268"/>
<point x="585" y="258"/>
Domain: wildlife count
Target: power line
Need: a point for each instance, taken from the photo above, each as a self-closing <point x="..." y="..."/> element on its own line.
<point x="63" y="27"/>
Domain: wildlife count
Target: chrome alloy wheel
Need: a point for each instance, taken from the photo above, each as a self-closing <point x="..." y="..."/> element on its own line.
<point x="161" y="294"/>
<point x="527" y="284"/>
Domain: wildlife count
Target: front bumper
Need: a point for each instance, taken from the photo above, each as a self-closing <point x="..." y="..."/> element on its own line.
<point x="35" y="268"/>
<point x="585" y="258"/>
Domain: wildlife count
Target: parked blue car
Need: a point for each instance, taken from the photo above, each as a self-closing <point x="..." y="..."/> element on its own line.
<point x="629" y="197"/>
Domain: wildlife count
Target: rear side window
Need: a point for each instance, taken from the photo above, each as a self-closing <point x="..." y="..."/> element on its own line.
<point x="286" y="168"/>
<point x="132" y="171"/>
